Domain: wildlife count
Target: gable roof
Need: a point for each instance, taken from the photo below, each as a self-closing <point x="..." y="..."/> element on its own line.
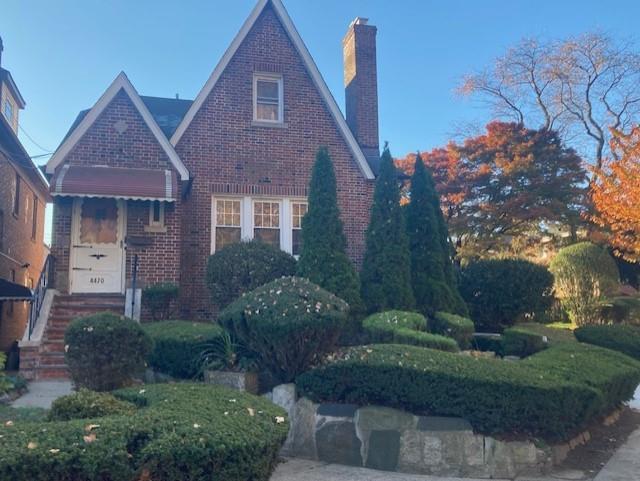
<point x="319" y="82"/>
<point x="167" y="112"/>
<point x="86" y="121"/>
<point x="5" y="76"/>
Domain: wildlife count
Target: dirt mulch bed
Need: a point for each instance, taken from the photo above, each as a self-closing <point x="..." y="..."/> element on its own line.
<point x="605" y="440"/>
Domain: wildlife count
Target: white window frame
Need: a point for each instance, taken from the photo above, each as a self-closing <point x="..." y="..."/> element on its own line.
<point x="8" y="104"/>
<point x="297" y="201"/>
<point x="247" y="209"/>
<point x="159" y="225"/>
<point x="268" y="78"/>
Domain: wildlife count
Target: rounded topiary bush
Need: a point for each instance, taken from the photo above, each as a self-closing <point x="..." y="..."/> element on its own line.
<point x="88" y="404"/>
<point x="585" y="276"/>
<point x="451" y="325"/>
<point x="500" y="292"/>
<point x="242" y="267"/>
<point x="182" y="431"/>
<point x="404" y="327"/>
<point x="178" y="345"/>
<point x="289" y="323"/>
<point x="105" y="351"/>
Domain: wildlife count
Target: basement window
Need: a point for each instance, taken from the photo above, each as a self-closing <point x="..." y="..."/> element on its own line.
<point x="267" y="98"/>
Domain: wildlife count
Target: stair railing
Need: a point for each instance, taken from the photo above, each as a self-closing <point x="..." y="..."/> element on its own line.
<point x="39" y="291"/>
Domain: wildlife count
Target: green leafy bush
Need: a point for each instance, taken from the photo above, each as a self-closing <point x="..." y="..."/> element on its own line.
<point x="88" y="404"/>
<point x="160" y="299"/>
<point x="621" y="338"/>
<point x="244" y="266"/>
<point x="289" y="323"/>
<point x="487" y="342"/>
<point x="585" y="276"/>
<point x="622" y="309"/>
<point x="518" y="341"/>
<point x="550" y="394"/>
<point x="5" y="382"/>
<point x="500" y="292"/>
<point x="403" y="327"/>
<point x="105" y="351"/>
<point x="183" y="431"/>
<point x="454" y="326"/>
<point x="178" y="345"/>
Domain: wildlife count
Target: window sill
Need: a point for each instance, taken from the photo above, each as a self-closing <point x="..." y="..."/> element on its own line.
<point x="274" y="125"/>
<point x="156" y="229"/>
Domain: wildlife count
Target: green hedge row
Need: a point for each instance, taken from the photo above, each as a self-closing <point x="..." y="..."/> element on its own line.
<point x="178" y="346"/>
<point x="179" y="432"/>
<point x="405" y="328"/>
<point x="550" y="394"/>
<point x="518" y="341"/>
<point x="622" y="338"/>
<point x="451" y="325"/>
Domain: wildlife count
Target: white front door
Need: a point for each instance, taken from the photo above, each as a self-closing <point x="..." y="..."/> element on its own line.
<point x="97" y="246"/>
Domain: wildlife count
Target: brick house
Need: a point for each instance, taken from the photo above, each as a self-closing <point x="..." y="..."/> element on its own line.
<point x="23" y="195"/>
<point x="171" y="181"/>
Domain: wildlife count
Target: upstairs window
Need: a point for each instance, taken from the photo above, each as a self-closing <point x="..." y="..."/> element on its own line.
<point x="34" y="220"/>
<point x="8" y="110"/>
<point x="267" y="98"/>
<point x="16" y="196"/>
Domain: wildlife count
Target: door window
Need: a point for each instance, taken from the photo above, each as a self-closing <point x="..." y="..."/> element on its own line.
<point x="99" y="221"/>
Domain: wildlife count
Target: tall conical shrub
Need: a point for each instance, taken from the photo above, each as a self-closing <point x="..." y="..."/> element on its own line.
<point x="386" y="274"/>
<point x="323" y="259"/>
<point x="432" y="273"/>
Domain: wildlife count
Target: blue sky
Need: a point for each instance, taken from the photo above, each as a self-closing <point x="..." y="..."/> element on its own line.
<point x="63" y="54"/>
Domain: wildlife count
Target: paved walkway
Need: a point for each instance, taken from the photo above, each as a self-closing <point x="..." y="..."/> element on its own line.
<point x="42" y="393"/>
<point x="625" y="463"/>
<point x="302" y="470"/>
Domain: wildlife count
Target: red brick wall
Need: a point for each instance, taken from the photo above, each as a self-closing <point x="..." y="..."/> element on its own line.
<point x="135" y="147"/>
<point x="222" y="146"/>
<point x="18" y="248"/>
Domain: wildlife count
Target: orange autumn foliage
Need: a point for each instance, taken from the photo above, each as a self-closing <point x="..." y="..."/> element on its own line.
<point x="615" y="193"/>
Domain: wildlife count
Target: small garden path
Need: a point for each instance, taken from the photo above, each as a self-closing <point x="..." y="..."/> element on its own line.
<point x="41" y="394"/>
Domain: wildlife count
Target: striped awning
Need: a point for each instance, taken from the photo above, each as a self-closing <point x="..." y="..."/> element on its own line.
<point x="115" y="182"/>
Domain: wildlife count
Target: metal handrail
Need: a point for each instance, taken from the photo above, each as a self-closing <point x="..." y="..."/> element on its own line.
<point x="37" y="299"/>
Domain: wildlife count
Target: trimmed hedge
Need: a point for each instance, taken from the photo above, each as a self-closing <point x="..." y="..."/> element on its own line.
<point x="244" y="266"/>
<point x="402" y="327"/>
<point x="621" y="338"/>
<point x="88" y="404"/>
<point x="105" y="351"/>
<point x="551" y="394"/>
<point x="178" y="346"/>
<point x="518" y="341"/>
<point x="501" y="292"/>
<point x="289" y="323"/>
<point x="451" y="325"/>
<point x="159" y="298"/>
<point x="193" y="432"/>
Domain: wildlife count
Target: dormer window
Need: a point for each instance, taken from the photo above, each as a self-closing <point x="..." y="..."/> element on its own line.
<point x="8" y="110"/>
<point x="267" y="98"/>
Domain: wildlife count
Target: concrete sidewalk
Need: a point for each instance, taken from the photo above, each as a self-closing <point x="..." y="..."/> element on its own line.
<point x="625" y="463"/>
<point x="41" y="394"/>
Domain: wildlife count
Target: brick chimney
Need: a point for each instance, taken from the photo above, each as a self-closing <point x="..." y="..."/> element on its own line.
<point x="361" y="85"/>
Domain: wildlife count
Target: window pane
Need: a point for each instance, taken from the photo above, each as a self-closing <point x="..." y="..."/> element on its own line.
<point x="267" y="112"/>
<point x="296" y="247"/>
<point x="298" y="211"/>
<point x="228" y="213"/>
<point x="156" y="211"/>
<point x="268" y="90"/>
<point x="269" y="236"/>
<point x="226" y="236"/>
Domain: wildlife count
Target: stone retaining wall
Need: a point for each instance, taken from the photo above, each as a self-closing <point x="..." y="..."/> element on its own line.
<point x="393" y="440"/>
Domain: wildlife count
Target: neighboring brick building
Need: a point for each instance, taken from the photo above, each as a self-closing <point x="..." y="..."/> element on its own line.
<point x="173" y="180"/>
<point x="23" y="197"/>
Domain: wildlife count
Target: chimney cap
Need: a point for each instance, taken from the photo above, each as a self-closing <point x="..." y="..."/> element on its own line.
<point x="359" y="21"/>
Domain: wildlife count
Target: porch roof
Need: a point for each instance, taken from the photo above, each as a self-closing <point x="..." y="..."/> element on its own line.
<point x="10" y="291"/>
<point x="115" y="182"/>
